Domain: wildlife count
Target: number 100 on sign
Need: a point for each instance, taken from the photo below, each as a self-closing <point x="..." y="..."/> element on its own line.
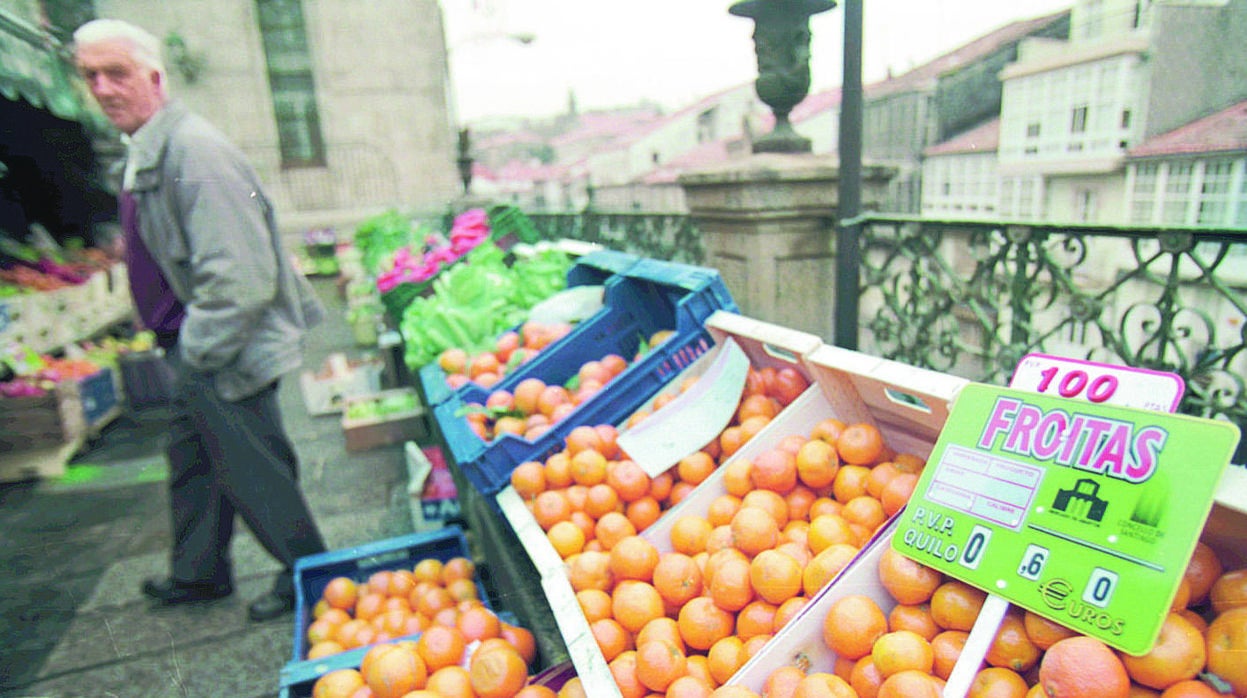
<point x="1098" y="383"/>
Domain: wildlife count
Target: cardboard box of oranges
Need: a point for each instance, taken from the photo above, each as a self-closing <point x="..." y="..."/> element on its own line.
<point x="900" y="410"/>
<point x="766" y="346"/>
<point x="839" y="633"/>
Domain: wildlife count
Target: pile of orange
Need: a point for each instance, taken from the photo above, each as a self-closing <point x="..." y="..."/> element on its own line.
<point x="681" y="623"/>
<point x="909" y="650"/>
<point x="438" y="664"/>
<point x="510" y="349"/>
<point x="393" y="604"/>
<point x="589" y="495"/>
<point x="533" y="406"/>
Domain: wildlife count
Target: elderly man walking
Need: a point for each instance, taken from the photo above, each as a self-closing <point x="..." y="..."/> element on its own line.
<point x="209" y="277"/>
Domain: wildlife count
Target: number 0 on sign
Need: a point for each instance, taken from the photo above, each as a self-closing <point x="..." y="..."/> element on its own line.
<point x="1083" y="512"/>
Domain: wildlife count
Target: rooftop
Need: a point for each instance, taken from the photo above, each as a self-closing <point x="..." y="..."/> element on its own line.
<point x="984" y="138"/>
<point x="1223" y="131"/>
<point x="925" y="76"/>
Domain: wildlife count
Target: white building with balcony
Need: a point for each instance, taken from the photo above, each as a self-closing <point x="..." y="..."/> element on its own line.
<point x="1132" y="69"/>
<point x="1194" y="175"/>
<point x="961" y="176"/>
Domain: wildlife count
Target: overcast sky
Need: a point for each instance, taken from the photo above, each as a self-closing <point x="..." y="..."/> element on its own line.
<point x="674" y="52"/>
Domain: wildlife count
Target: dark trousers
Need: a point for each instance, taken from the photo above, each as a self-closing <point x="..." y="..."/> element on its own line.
<point x="228" y="458"/>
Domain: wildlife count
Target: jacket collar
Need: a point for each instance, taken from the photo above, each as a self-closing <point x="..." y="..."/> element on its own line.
<point x="148" y="142"/>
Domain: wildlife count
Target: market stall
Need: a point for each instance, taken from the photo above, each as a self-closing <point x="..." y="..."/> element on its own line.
<point x="667" y="497"/>
<point x="61" y="295"/>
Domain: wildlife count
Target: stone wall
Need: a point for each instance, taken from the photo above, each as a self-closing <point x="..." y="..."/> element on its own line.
<point x="768" y="226"/>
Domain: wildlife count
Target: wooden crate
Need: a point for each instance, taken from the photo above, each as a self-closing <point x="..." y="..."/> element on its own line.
<point x="34" y="423"/>
<point x="62" y="416"/>
<point x="365" y="434"/>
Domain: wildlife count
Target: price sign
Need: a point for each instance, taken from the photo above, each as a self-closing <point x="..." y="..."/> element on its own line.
<point x="1082" y="512"/>
<point x="1099" y="383"/>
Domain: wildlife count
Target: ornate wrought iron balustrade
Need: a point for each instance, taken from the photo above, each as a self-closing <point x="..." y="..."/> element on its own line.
<point x="657" y="235"/>
<point x="971" y="298"/>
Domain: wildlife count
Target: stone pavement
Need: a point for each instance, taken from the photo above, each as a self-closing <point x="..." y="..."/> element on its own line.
<point x="74" y="550"/>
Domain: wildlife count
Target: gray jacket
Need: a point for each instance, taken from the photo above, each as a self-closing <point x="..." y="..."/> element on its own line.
<point x="208" y="224"/>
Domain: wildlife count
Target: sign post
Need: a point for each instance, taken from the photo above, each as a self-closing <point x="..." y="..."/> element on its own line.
<point x="1065" y="502"/>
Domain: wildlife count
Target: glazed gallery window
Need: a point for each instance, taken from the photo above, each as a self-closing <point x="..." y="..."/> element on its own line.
<point x="291" y="83"/>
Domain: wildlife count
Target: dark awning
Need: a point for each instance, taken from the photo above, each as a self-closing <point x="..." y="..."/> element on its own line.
<point x="35" y="68"/>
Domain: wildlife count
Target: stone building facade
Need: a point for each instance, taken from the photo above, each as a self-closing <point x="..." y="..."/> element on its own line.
<point x="343" y="106"/>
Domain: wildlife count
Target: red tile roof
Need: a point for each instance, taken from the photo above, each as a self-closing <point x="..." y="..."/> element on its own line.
<point x="516" y="171"/>
<point x="984" y="138"/>
<point x="695" y="108"/>
<point x="924" y="76"/>
<point x="1224" y="131"/>
<point x="707" y="153"/>
<point x="600" y="125"/>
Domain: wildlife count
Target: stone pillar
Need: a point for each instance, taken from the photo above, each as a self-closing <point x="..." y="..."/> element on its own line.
<point x="768" y="226"/>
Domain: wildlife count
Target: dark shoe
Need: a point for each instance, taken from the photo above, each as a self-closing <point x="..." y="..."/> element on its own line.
<point x="169" y="592"/>
<point x="271" y="605"/>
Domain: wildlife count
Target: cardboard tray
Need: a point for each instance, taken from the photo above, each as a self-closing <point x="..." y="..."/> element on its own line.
<point x="908" y="405"/>
<point x="63" y="416"/>
<point x="800" y="643"/>
<point x="365" y="434"/>
<point x="323" y="396"/>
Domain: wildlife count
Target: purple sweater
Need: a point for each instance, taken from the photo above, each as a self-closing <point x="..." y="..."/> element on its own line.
<point x="160" y="310"/>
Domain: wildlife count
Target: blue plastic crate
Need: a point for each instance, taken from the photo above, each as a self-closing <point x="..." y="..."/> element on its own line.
<point x="592" y="269"/>
<point x="648" y="297"/>
<point x="313" y="573"/>
<point x="598" y="266"/>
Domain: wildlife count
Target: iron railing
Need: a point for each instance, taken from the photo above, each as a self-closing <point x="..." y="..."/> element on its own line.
<point x="670" y="236"/>
<point x="972" y="298"/>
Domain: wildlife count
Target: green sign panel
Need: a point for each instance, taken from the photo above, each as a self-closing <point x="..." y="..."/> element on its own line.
<point x="1082" y="513"/>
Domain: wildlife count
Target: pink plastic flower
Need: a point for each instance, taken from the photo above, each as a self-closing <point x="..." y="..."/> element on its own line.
<point x="471" y="218"/>
<point x="426" y="271"/>
<point x="441" y="255"/>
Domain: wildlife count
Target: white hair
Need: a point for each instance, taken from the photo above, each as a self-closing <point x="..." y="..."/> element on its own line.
<point x="145" y="47"/>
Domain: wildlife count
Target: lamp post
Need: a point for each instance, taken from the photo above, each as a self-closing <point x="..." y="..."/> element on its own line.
<point x="781" y="39"/>
<point x="464" y="159"/>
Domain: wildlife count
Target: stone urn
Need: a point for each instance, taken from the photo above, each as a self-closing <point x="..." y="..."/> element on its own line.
<point x="781" y="39"/>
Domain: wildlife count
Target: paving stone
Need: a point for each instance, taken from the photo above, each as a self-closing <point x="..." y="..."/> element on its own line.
<point x="121" y="583"/>
<point x="245" y="664"/>
<point x="128" y="629"/>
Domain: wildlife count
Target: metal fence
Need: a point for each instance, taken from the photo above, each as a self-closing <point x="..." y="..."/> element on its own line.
<point x="670" y="236"/>
<point x="972" y="298"/>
